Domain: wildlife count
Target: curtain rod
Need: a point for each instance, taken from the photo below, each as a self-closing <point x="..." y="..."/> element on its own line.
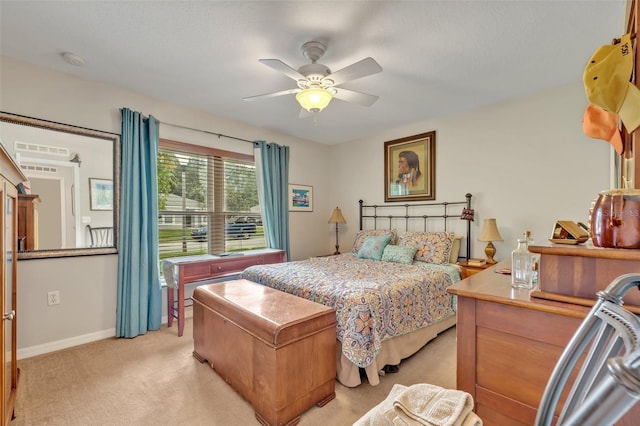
<point x="219" y="135"/>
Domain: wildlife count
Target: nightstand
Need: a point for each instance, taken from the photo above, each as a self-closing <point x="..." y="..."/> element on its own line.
<point x="473" y="269"/>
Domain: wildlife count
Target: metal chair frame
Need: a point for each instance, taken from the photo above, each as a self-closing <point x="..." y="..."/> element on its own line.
<point x="607" y="383"/>
<point x="101" y="236"/>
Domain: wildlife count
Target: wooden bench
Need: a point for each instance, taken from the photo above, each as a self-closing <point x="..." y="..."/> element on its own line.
<point x="276" y="350"/>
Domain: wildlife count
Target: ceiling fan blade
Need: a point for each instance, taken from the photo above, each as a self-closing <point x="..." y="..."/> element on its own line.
<point x="285" y="69"/>
<point x="363" y="99"/>
<point x="272" y="95"/>
<point x="360" y="69"/>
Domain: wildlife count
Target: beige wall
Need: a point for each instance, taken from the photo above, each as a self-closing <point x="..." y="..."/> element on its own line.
<point x="526" y="162"/>
<point x="87" y="285"/>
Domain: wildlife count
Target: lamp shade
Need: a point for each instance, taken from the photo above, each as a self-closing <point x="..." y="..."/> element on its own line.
<point x="314" y="99"/>
<point x="336" y="216"/>
<point x="490" y="231"/>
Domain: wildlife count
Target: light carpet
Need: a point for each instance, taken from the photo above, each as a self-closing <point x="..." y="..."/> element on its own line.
<point x="154" y="380"/>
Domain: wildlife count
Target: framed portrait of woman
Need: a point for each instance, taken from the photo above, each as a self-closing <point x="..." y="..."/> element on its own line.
<point x="410" y="168"/>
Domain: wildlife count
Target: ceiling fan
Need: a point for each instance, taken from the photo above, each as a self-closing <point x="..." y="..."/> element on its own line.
<point x="317" y="85"/>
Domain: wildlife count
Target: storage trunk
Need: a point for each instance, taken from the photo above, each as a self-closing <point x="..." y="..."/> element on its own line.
<point x="275" y="349"/>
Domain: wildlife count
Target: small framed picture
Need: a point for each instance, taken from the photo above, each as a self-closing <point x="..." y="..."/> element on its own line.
<point x="300" y="198"/>
<point x="101" y="194"/>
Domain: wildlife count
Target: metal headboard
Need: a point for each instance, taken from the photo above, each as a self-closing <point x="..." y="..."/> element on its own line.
<point x="392" y="215"/>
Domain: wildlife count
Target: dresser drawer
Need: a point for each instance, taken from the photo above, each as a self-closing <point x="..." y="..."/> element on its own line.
<point x="514" y="366"/>
<point x="536" y="325"/>
<point x="234" y="264"/>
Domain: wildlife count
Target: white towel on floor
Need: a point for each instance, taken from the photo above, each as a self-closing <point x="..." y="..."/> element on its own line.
<point x="432" y="405"/>
<point x="385" y="413"/>
<point x="377" y="415"/>
<point x="472" y="419"/>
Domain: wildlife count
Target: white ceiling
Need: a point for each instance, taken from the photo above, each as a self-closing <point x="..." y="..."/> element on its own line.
<point x="438" y="57"/>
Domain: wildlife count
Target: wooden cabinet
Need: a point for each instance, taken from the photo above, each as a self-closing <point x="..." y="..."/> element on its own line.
<point x="28" y="221"/>
<point x="575" y="273"/>
<point x="10" y="176"/>
<point x="507" y="345"/>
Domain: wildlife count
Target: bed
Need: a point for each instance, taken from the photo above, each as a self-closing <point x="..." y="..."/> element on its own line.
<point x="389" y="291"/>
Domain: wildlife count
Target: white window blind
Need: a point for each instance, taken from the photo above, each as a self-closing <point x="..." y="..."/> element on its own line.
<point x="208" y="201"/>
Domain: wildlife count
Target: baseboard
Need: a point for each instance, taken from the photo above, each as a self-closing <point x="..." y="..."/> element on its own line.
<point x="79" y="340"/>
<point x="64" y="343"/>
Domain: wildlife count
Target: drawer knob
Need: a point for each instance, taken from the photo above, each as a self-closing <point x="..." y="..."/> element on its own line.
<point x="219" y="268"/>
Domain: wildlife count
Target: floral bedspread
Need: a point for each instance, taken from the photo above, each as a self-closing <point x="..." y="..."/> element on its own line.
<point x="374" y="300"/>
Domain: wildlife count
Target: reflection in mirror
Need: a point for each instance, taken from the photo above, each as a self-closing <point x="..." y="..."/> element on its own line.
<point x="73" y="187"/>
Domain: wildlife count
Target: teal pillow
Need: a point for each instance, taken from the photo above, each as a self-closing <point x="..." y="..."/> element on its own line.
<point x="373" y="247"/>
<point x="399" y="254"/>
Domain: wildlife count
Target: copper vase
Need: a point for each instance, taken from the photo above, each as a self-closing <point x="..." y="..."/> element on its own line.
<point x="615" y="219"/>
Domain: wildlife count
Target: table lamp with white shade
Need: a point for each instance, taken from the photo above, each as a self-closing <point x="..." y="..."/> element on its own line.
<point x="489" y="234"/>
<point x="336" y="217"/>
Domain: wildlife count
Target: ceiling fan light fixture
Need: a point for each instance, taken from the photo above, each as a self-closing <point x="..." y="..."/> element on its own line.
<point x="314" y="99"/>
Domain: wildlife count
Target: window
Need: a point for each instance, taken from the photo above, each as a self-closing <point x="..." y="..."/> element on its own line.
<point x="207" y="201"/>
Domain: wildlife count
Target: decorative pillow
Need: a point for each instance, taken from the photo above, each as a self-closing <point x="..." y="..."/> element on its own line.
<point x="361" y="235"/>
<point x="399" y="254"/>
<point x="433" y="247"/>
<point x="373" y="246"/>
<point x="455" y="249"/>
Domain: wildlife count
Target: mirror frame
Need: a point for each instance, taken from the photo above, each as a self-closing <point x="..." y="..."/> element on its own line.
<point x="60" y="127"/>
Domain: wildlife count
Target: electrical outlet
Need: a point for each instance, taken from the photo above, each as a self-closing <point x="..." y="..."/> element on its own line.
<point x="53" y="298"/>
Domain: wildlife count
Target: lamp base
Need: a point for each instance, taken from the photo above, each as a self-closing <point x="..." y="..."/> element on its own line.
<point x="489" y="251"/>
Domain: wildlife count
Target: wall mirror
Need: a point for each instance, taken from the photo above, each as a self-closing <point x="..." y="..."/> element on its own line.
<point x="71" y="199"/>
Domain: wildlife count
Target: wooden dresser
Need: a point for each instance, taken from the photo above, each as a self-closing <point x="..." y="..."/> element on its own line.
<point x="507" y="345"/>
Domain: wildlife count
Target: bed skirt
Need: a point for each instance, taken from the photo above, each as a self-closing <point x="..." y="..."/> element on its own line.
<point x="391" y="353"/>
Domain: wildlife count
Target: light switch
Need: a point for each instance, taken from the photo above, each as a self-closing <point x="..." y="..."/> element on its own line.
<point x="86" y="219"/>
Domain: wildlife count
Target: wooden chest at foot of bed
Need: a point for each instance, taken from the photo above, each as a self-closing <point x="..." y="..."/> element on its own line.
<point x="275" y="349"/>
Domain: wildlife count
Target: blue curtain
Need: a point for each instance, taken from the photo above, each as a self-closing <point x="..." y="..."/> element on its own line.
<point x="274" y="168"/>
<point x="139" y="307"/>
